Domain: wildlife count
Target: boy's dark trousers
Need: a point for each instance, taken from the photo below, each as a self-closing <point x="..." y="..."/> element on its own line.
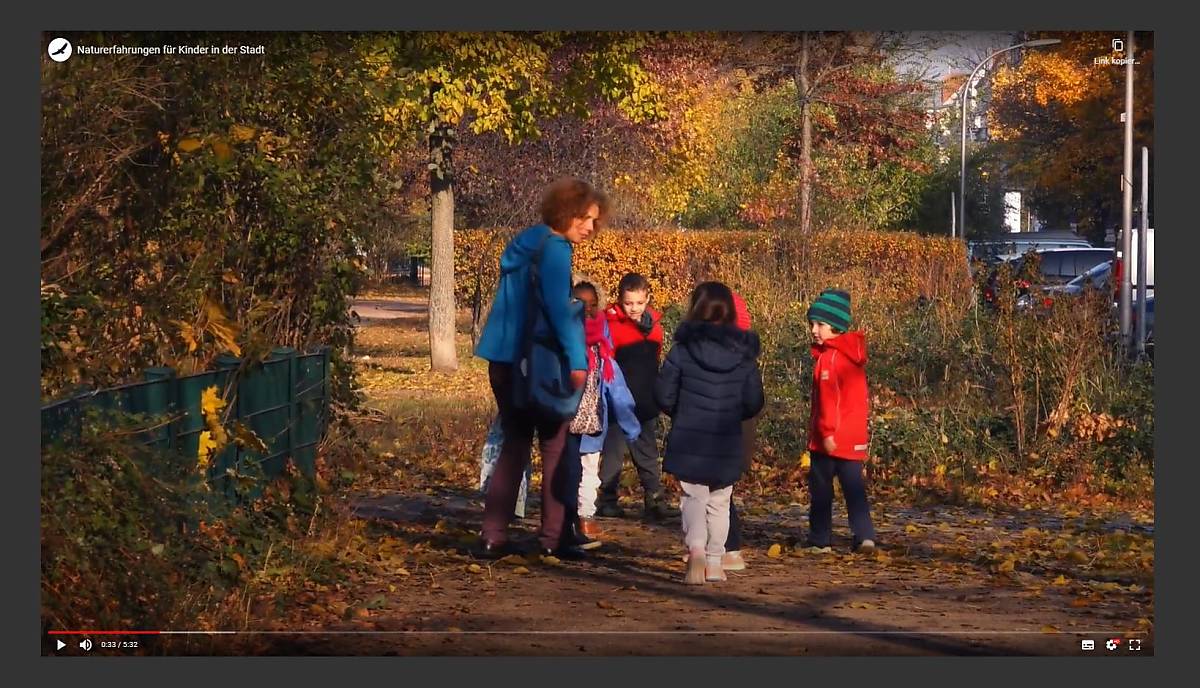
<point x="570" y="473"/>
<point x="820" y="512"/>
<point x="645" y="457"/>
<point x="733" y="543"/>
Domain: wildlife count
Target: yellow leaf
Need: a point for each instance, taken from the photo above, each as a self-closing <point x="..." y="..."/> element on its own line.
<point x="1061" y="580"/>
<point x="207" y="447"/>
<point x="805" y="460"/>
<point x="1050" y="629"/>
<point x="222" y="150"/>
<point x="1007" y="565"/>
<point x="520" y="569"/>
<point x="221" y="327"/>
<point x="188" y="334"/>
<point x="475" y="568"/>
<point x="248" y="440"/>
<point x="241" y="133"/>
<point x="189" y="144"/>
<point x="211" y="403"/>
<point x="401" y="572"/>
<point x="910" y="529"/>
<point x="775" y="551"/>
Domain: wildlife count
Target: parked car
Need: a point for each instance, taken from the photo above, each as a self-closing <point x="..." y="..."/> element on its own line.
<point x="1100" y="277"/>
<point x="1055" y="267"/>
<point x="1019" y="243"/>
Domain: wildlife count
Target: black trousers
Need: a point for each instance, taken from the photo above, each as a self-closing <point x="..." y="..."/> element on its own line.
<point x="820" y="486"/>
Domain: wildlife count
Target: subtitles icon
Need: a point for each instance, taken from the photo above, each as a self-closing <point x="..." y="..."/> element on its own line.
<point x="1112" y="644"/>
<point x="1087" y="645"/>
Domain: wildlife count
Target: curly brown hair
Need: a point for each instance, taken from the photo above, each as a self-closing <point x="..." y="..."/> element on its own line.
<point x="569" y="198"/>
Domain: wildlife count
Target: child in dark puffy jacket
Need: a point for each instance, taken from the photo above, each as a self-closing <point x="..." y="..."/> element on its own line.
<point x="708" y="385"/>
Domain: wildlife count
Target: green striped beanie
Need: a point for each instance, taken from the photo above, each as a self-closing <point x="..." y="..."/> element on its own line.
<point x="833" y="307"/>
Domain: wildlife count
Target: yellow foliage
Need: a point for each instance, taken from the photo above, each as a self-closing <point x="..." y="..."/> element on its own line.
<point x="902" y="265"/>
<point x="214" y="439"/>
<point x="221" y="327"/>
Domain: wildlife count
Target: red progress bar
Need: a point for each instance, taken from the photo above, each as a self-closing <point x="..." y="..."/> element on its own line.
<point x="105" y="632"/>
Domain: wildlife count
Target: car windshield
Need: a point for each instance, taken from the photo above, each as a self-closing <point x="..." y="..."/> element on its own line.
<point x="1094" y="275"/>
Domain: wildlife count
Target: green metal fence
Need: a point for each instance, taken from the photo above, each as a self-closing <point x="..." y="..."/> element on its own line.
<point x="284" y="401"/>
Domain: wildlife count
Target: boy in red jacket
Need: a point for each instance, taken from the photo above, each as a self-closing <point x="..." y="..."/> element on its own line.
<point x="637" y="339"/>
<point x="838" y="436"/>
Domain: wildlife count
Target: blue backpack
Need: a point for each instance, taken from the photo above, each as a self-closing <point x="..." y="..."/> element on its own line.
<point x="541" y="373"/>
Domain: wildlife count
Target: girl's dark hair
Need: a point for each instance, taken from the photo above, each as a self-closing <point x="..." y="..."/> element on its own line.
<point x="632" y="282"/>
<point x="569" y="198"/>
<point x="712" y="302"/>
<point x="587" y="286"/>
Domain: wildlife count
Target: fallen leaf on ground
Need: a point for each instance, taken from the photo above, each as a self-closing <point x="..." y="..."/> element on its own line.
<point x="775" y="551"/>
<point x="1061" y="580"/>
<point x="520" y="569"/>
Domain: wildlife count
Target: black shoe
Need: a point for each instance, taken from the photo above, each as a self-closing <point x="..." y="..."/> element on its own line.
<point x="565" y="552"/>
<point x="492" y="550"/>
<point x="656" y="510"/>
<point x="610" y="510"/>
<point x="573" y="535"/>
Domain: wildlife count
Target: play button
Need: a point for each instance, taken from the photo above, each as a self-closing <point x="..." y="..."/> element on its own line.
<point x="61" y="644"/>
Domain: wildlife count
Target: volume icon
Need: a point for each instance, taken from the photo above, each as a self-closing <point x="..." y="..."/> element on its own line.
<point x="86" y="644"/>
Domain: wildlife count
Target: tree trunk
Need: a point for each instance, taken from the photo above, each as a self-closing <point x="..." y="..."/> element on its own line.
<point x="443" y="351"/>
<point x="806" y="171"/>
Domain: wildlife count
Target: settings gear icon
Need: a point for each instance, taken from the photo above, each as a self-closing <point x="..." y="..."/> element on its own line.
<point x="1112" y="644"/>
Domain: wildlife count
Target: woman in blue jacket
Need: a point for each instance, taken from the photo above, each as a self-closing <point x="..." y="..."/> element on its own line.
<point x="571" y="211"/>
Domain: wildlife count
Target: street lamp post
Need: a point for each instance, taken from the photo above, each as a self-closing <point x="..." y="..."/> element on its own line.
<point x="962" y="173"/>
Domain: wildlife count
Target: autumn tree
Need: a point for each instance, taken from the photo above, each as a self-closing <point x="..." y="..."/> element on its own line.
<point x="504" y="82"/>
<point x="1057" y="118"/>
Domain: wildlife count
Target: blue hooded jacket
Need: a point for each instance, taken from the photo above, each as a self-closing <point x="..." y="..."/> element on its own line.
<point x="613" y="394"/>
<point x="500" y="341"/>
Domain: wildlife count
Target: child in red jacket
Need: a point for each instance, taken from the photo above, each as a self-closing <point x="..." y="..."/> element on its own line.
<point x="838" y="435"/>
<point x="637" y="339"/>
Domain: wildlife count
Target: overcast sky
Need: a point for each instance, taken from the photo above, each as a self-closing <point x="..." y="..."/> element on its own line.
<point x="955" y="51"/>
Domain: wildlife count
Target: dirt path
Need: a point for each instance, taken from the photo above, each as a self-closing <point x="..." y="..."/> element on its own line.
<point x="627" y="599"/>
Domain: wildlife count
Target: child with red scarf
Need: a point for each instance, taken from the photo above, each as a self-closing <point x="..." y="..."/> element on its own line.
<point x="637" y="337"/>
<point x="605" y="389"/>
